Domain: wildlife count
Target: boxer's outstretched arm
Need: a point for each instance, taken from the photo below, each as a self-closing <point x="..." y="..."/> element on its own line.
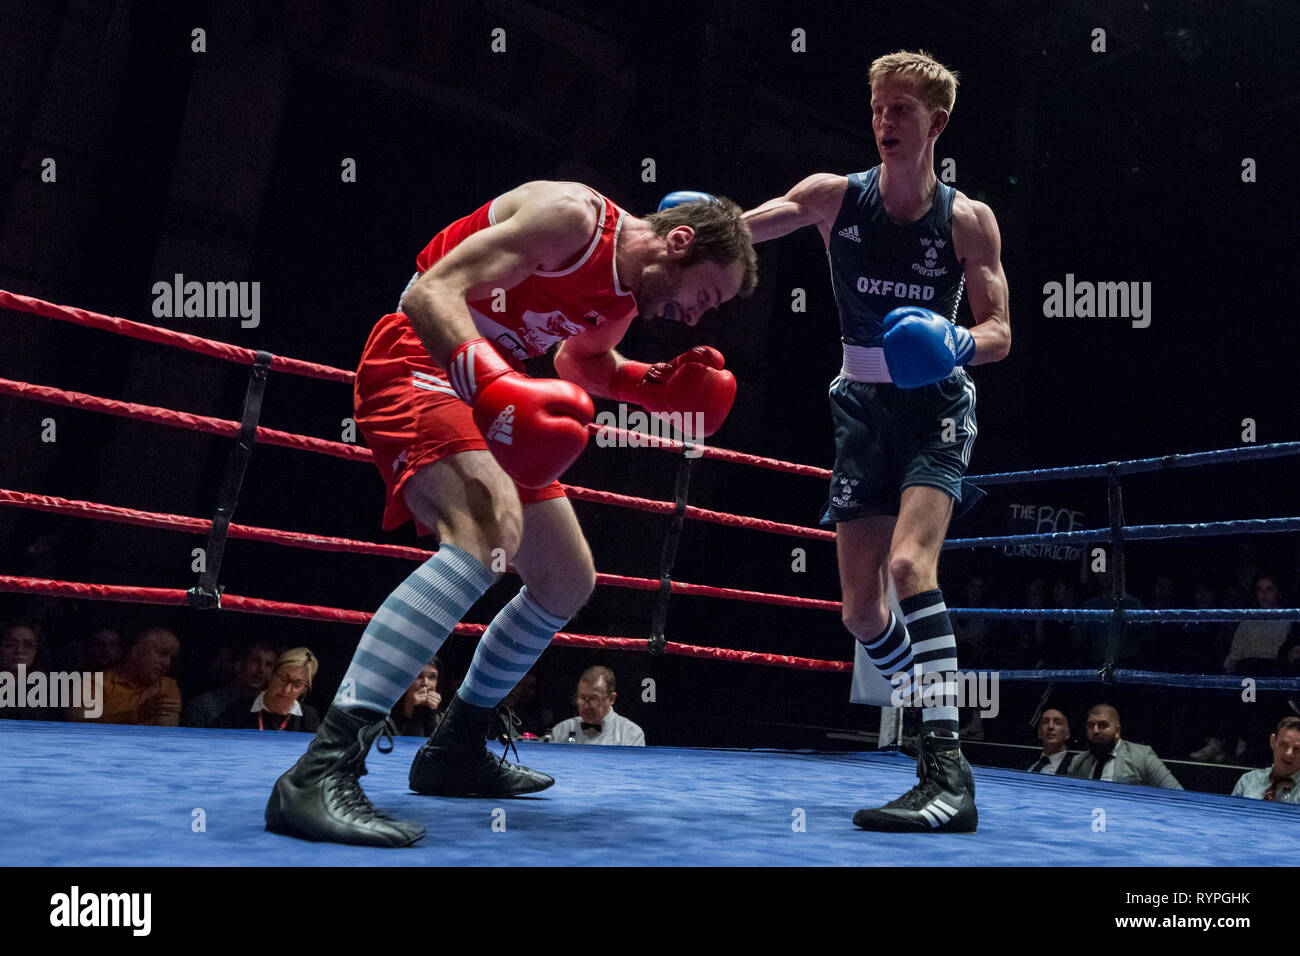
<point x="553" y="223"/>
<point x="813" y="202"/>
<point x="977" y="244"/>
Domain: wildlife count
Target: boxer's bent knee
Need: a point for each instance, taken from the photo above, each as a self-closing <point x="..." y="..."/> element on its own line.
<point x="912" y="572"/>
<point x="865" y="619"/>
<point x="564" y="585"/>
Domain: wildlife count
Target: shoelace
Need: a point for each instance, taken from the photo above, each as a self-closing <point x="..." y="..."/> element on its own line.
<point x="509" y="721"/>
<point x="351" y="797"/>
<point x="925" y="790"/>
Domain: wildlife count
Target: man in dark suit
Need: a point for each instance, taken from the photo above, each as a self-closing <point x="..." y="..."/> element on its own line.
<point x="1054" y="735"/>
<point x="1111" y="758"/>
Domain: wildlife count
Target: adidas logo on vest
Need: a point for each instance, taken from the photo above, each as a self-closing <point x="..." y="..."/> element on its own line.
<point x="503" y="429"/>
<point x="850" y="233"/>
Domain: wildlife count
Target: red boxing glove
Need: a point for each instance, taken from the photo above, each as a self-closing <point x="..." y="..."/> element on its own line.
<point x="535" y="428"/>
<point x="695" y="381"/>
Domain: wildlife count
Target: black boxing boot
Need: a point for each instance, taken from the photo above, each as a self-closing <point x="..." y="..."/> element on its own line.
<point x="321" y="797"/>
<point x="454" y="762"/>
<point x="943" y="800"/>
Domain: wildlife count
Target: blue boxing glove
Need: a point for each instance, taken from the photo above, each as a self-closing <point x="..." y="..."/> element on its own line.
<point x="684" y="195"/>
<point x="922" y="347"/>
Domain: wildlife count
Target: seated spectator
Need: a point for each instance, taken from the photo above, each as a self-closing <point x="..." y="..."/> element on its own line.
<point x="21" y="645"/>
<point x="1166" y="641"/>
<point x="596" y="722"/>
<point x="1111" y="758"/>
<point x="252" y="671"/>
<point x="1288" y="661"/>
<point x="530" y="717"/>
<point x="1096" y="634"/>
<point x="138" y="690"/>
<point x="1054" y="735"/>
<point x="278" y="707"/>
<point x="101" y="649"/>
<point x="1255" y="644"/>
<point x="1279" y="783"/>
<point x="970" y="632"/>
<point x="219" y="670"/>
<point x="419" y="712"/>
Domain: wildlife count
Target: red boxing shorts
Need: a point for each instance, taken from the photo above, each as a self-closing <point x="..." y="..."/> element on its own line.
<point x="411" y="416"/>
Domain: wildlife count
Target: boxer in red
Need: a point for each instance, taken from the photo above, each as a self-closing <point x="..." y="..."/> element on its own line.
<point x="470" y="448"/>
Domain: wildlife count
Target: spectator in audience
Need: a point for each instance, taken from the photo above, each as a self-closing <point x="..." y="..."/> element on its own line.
<point x="530" y="718"/>
<point x="1109" y="757"/>
<point x="971" y="631"/>
<point x="279" y="706"/>
<point x="1288" y="660"/>
<point x="252" y="671"/>
<point x="139" y="689"/>
<point x="596" y="722"/>
<point x="1054" y="735"/>
<point x="21" y="645"/>
<point x="419" y="711"/>
<point x="1241" y="591"/>
<point x="219" y="668"/>
<point x="1279" y="783"/>
<point x="1165" y="640"/>
<point x="1096" y="634"/>
<point x="101" y="650"/>
<point x="1256" y="642"/>
<point x="1205" y="642"/>
<point x="1050" y="641"/>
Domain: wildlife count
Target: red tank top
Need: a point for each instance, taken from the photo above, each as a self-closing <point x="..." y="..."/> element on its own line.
<point x="547" y="307"/>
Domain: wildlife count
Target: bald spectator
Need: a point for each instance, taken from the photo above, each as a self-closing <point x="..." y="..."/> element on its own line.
<point x="1054" y="735"/>
<point x="596" y="722"/>
<point x="138" y="690"/>
<point x="1279" y="783"/>
<point x="252" y="671"/>
<point x="279" y="706"/>
<point x="1110" y="757"/>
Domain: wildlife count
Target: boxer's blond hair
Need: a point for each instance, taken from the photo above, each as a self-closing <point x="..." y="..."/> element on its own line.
<point x="936" y="83"/>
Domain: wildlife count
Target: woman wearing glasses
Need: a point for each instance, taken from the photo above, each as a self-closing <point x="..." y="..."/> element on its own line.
<point x="278" y="707"/>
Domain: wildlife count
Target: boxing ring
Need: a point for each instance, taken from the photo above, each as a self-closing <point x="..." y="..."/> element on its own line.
<point x="87" y="794"/>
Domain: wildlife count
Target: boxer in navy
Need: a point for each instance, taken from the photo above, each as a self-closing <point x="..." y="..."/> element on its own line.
<point x="902" y="248"/>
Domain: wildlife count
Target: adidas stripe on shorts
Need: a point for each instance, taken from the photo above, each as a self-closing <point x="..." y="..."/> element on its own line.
<point x="411" y="417"/>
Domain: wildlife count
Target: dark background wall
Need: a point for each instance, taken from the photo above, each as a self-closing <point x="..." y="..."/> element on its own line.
<point x="225" y="165"/>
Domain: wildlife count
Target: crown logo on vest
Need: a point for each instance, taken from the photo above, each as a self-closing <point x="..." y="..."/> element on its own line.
<point x="930" y="266"/>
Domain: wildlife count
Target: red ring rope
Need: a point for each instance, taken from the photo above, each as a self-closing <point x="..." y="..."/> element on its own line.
<point x="235" y="602"/>
<point x="150" y="519"/>
<point x="245" y="356"/>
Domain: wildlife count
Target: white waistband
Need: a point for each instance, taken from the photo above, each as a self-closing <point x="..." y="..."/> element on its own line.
<point x="863" y="364"/>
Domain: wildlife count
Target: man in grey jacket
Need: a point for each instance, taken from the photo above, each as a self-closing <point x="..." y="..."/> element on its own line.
<point x="1109" y="757"/>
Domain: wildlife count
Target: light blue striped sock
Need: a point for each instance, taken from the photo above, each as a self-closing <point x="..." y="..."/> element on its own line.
<point x="409" y="627"/>
<point x="511" y="645"/>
